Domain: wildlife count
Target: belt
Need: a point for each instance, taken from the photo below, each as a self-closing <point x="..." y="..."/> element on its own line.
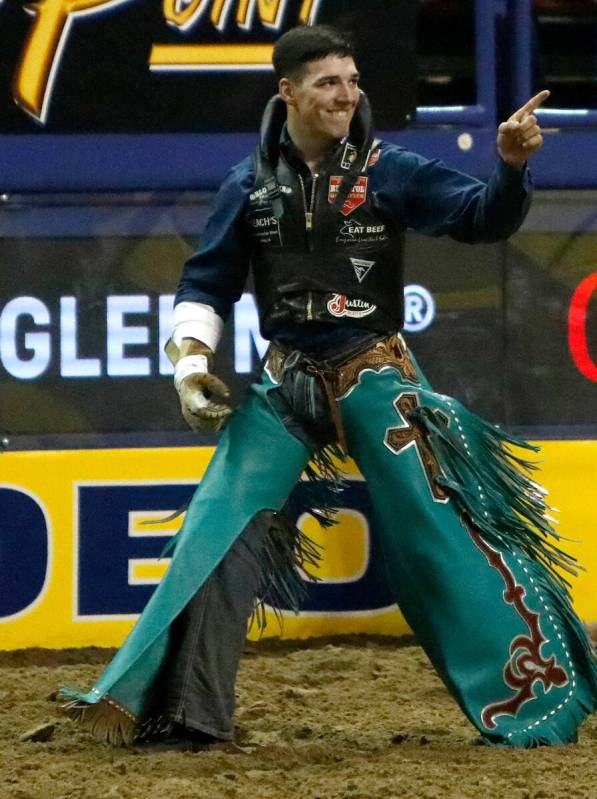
<point x="339" y="380"/>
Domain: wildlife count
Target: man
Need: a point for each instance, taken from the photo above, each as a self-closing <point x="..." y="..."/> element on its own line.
<point x="318" y="213"/>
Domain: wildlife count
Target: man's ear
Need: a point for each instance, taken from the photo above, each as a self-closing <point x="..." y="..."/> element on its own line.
<point x="286" y="91"/>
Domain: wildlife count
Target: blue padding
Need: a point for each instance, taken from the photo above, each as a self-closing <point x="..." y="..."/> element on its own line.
<point x="110" y="162"/>
<point x="180" y="162"/>
<point x="114" y="162"/>
<point x="84" y="220"/>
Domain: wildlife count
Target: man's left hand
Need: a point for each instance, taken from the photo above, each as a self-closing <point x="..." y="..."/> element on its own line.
<point x="520" y="137"/>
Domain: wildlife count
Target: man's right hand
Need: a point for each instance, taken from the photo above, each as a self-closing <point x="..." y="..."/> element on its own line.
<point x="200" y="396"/>
<point x="201" y="393"/>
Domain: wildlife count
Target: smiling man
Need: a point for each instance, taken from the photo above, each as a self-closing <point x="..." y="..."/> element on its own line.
<point x="321" y="100"/>
<point x="469" y="553"/>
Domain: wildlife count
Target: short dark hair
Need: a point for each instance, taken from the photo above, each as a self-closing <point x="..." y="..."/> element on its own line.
<point x="306" y="43"/>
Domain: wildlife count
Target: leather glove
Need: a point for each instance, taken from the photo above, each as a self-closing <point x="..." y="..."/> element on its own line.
<point x="200" y="392"/>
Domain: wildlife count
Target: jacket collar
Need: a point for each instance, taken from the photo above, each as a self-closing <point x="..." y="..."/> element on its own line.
<point x="274" y="136"/>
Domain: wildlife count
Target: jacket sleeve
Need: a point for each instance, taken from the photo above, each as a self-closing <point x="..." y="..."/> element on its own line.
<point x="432" y="198"/>
<point x="216" y="273"/>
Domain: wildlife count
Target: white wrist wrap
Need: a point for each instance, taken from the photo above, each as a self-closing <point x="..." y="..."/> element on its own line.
<point x="199" y="321"/>
<point x="189" y="365"/>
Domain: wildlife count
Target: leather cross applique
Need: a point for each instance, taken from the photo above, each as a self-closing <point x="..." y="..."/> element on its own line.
<point x="413" y="434"/>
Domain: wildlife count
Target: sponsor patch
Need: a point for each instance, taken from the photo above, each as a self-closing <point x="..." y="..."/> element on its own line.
<point x="352" y="231"/>
<point x="261" y="222"/>
<point x="349" y="156"/>
<point x="265" y="228"/>
<point x="356" y="198"/>
<point x="341" y="305"/>
<point x="361" y="268"/>
<point x="374" y="157"/>
<point x="261" y="194"/>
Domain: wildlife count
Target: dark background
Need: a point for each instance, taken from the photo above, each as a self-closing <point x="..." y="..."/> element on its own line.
<point x="499" y="341"/>
<point x="104" y="83"/>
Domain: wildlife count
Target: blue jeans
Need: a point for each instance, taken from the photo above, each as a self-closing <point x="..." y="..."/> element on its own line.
<point x="207" y="639"/>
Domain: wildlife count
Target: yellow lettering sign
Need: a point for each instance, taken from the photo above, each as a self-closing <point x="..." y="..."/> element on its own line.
<point x="219" y="13"/>
<point x="39" y="64"/>
<point x="217" y="57"/>
<point x="308" y="11"/>
<point x="183" y="16"/>
<point x="213" y="57"/>
<point x="47" y="38"/>
<point x="270" y="12"/>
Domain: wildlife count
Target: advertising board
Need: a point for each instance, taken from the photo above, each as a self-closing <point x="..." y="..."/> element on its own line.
<point x="78" y="561"/>
<point x="101" y="66"/>
<point x="86" y="308"/>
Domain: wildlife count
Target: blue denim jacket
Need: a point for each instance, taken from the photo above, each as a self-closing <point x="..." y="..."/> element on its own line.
<point x="419" y="193"/>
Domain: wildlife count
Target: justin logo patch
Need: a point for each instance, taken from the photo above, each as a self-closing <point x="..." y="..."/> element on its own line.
<point x="356" y="198"/>
<point x="341" y="305"/>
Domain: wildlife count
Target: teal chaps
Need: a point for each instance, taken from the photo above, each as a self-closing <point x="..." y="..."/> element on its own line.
<point x="469" y="553"/>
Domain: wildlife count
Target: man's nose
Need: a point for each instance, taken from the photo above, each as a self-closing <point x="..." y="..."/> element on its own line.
<point x="344" y="93"/>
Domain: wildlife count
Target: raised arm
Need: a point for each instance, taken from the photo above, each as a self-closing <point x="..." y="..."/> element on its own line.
<point x="437" y="200"/>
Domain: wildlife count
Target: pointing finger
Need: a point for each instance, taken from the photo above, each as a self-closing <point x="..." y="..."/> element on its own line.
<point x="530" y="106"/>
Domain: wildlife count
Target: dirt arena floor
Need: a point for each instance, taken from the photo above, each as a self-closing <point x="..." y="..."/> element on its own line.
<point x="349" y="718"/>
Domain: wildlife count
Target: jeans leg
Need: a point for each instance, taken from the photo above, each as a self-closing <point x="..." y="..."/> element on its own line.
<point x="208" y="639"/>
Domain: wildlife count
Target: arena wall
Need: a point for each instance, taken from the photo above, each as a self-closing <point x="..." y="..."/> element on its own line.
<point x="102" y="195"/>
<point x="81" y="562"/>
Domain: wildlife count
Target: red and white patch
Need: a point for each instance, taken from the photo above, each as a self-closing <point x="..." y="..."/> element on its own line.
<point x="341" y="305"/>
<point x="374" y="157"/>
<point x="356" y="198"/>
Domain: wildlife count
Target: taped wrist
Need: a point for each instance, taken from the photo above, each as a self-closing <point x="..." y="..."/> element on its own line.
<point x="199" y="321"/>
<point x="189" y="365"/>
<point x="190" y="346"/>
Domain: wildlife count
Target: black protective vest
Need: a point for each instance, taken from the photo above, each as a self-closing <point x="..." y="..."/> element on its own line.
<point x="324" y="253"/>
